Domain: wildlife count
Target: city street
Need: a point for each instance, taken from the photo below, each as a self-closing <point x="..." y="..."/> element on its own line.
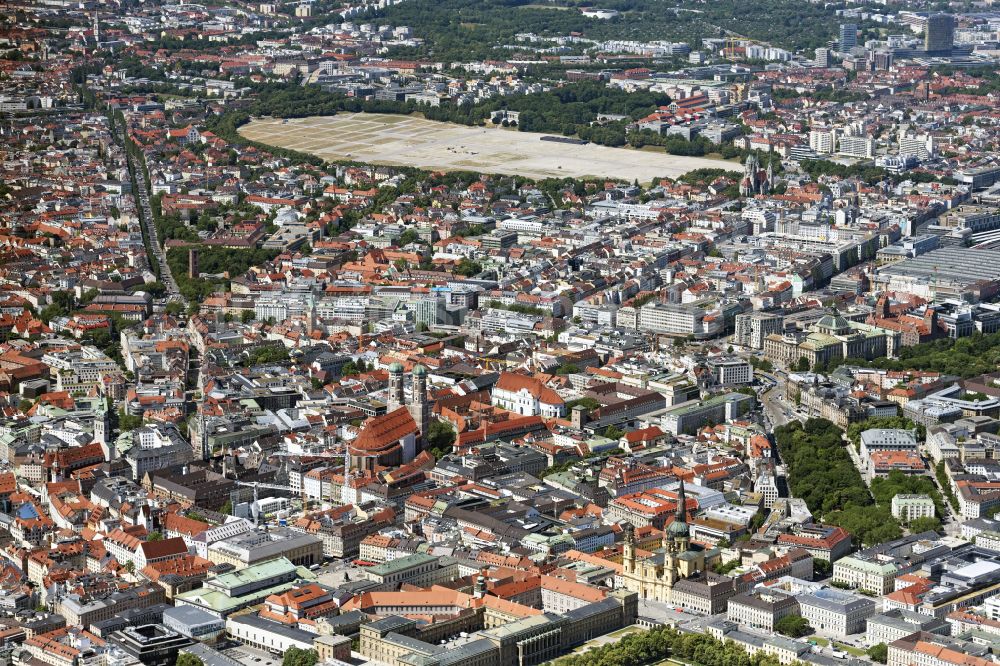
<point x="776" y="409"/>
<point x="146" y="215"/>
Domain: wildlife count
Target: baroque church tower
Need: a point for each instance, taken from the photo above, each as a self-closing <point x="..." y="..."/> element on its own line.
<point x="419" y="405"/>
<point x="654" y="576"/>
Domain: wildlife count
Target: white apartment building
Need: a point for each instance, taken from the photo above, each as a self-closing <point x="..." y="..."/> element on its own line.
<point x="836" y="613"/>
<point x="263" y="634"/>
<point x="991" y="608"/>
<point x="680" y="319"/>
<point x="529" y="224"/>
<point x="270" y="308"/>
<point x="732" y="371"/>
<point x="909" y="507"/>
<point x="857" y="146"/>
<point x="348" y="309"/>
<point x="561" y="596"/>
<point x="761" y="219"/>
<point x="79" y="370"/>
<point x="628" y="317"/>
<point x="874" y="577"/>
<point x="823" y="141"/>
<point x="988" y="540"/>
<point x="767" y="486"/>
<point x="753" y="327"/>
<point x="761" y="609"/>
<point x="920" y="146"/>
<point x="318" y="483"/>
<point x="156" y="447"/>
<point x="494" y="320"/>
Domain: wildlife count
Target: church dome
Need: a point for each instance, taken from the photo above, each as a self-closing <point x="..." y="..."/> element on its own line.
<point x="396" y="368"/>
<point x="677" y="528"/>
<point x="833" y="322"/>
<point x="419" y="371"/>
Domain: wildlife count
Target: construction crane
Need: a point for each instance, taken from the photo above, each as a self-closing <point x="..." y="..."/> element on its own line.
<point x="269" y="486"/>
<point x="735" y="44"/>
<point x="490" y="363"/>
<point x="345" y="456"/>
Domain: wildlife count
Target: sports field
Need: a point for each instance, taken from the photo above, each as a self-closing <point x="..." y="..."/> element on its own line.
<point x="427" y="144"/>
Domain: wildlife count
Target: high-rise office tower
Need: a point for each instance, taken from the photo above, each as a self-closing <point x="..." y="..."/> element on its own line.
<point x="939" y="36"/>
<point x="882" y="60"/>
<point x="848" y="36"/>
<point x="822" y="58"/>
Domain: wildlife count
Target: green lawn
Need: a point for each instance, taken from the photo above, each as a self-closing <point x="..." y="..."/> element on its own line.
<point x="857" y="652"/>
<point x="823" y="642"/>
<point x="626" y="631"/>
<point x="603" y="640"/>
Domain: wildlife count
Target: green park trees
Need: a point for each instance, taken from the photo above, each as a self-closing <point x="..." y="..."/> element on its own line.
<point x="879" y="653"/>
<point x="820" y="471"/>
<point x="942" y="476"/>
<point x="924" y="524"/>
<point x="299" y="657"/>
<point x="440" y="437"/>
<point x="265" y="354"/>
<point x="661" y="644"/>
<point x="468" y="268"/>
<point x="794" y="626"/>
<point x="965" y="357"/>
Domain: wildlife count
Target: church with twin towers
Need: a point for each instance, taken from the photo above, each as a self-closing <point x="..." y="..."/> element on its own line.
<point x="419" y="405"/>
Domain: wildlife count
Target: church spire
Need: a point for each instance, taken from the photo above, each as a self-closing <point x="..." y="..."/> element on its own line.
<point x="628" y="552"/>
<point x="675" y="538"/>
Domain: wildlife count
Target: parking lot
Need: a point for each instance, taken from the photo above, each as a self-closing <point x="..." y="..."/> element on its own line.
<point x="249" y="656"/>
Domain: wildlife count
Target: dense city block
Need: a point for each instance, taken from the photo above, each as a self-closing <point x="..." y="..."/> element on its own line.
<point x="499" y="333"/>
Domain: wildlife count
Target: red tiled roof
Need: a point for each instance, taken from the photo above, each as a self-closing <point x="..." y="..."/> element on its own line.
<point x="173" y="522"/>
<point x="381" y="432"/>
<point x="163" y="548"/>
<point x="513" y="382"/>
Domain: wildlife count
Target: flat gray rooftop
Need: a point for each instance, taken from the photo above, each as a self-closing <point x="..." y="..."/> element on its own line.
<point x="949" y="264"/>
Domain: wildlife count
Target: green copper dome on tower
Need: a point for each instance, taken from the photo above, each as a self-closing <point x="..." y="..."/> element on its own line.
<point x="679" y="527"/>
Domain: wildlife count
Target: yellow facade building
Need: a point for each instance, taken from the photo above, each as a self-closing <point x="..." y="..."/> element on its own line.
<point x="654" y="577"/>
